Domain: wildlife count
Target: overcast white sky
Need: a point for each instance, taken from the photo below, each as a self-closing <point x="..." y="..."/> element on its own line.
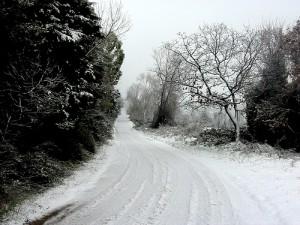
<point x="157" y="21"/>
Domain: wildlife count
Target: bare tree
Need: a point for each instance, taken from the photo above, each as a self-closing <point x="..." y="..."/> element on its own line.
<point x="155" y="95"/>
<point x="167" y="70"/>
<point x="218" y="64"/>
<point x="272" y="43"/>
<point x="143" y="99"/>
<point x="113" y="19"/>
<point x="114" y="23"/>
<point x="292" y="47"/>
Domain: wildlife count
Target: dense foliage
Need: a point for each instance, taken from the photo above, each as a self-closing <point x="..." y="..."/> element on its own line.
<point x="273" y="105"/>
<point x="57" y="95"/>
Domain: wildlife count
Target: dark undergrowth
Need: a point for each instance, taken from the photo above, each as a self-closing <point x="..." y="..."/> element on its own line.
<point x="47" y="158"/>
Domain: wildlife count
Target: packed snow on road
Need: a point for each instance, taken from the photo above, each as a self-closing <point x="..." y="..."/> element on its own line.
<point x="139" y="179"/>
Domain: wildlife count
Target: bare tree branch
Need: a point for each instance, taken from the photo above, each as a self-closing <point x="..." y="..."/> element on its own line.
<point x="218" y="63"/>
<point x="113" y="19"/>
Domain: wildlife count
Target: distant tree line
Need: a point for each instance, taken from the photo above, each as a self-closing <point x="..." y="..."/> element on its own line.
<point x="58" y="71"/>
<point x="252" y="73"/>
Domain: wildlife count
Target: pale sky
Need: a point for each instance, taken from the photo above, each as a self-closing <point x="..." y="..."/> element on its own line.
<point x="157" y="21"/>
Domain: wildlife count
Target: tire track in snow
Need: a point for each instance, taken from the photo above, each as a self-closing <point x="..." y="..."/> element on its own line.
<point x="162" y="200"/>
<point x="143" y="168"/>
<point x="143" y="211"/>
<point x="215" y="207"/>
<point x="158" y="172"/>
<point x="194" y="207"/>
<point x="139" y="217"/>
<point x="111" y="189"/>
<point x="221" y="209"/>
<point x="200" y="210"/>
<point x="113" y="219"/>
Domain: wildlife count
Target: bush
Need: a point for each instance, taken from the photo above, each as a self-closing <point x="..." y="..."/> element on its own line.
<point x="273" y="105"/>
<point x="216" y="136"/>
<point x="277" y="122"/>
<point x="40" y="169"/>
<point x="85" y="137"/>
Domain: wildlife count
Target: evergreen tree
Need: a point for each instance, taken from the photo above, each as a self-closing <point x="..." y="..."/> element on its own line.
<point x="273" y="106"/>
<point x="262" y="98"/>
<point x="57" y="92"/>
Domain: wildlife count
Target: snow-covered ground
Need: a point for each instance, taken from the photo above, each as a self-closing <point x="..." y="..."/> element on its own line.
<point x="144" y="179"/>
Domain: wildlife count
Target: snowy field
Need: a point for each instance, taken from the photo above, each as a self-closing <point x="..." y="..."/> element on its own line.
<point x="145" y="179"/>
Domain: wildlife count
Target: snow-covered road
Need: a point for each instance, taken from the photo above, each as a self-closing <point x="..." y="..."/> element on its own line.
<point x="144" y="181"/>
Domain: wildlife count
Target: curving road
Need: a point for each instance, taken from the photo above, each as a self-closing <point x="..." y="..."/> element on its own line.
<point x="148" y="182"/>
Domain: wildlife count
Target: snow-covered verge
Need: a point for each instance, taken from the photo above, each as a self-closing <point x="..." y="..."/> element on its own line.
<point x="205" y="139"/>
<point x="270" y="176"/>
<point x="200" y="134"/>
<point x="57" y="197"/>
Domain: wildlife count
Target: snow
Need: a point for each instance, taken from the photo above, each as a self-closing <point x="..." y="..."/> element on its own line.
<point x="86" y="94"/>
<point x="271" y="180"/>
<point x="55" y="8"/>
<point x="146" y="179"/>
<point x="76" y="35"/>
<point x="54" y="19"/>
<point x="190" y="140"/>
<point x="82" y="18"/>
<point x="72" y="36"/>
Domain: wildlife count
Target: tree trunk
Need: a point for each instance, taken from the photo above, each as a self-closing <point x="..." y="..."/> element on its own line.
<point x="235" y="122"/>
<point x="144" y="116"/>
<point x="158" y="116"/>
<point x="237" y="129"/>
